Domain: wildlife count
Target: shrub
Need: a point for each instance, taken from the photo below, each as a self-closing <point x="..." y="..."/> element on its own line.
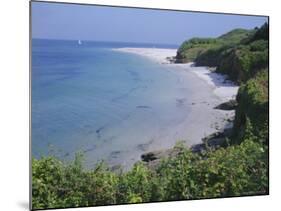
<point x="253" y="108"/>
<point x="232" y="171"/>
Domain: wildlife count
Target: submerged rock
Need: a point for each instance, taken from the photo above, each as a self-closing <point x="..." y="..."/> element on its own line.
<point x="143" y="106"/>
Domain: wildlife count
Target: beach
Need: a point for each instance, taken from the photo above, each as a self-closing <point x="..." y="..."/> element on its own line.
<point x="203" y="119"/>
<point x="223" y="88"/>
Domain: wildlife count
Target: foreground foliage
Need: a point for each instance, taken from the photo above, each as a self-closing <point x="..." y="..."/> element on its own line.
<point x="232" y="171"/>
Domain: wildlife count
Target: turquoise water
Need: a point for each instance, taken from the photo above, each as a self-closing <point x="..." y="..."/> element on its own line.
<point x="105" y="103"/>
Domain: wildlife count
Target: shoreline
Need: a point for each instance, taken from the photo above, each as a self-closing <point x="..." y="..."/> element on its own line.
<point x="156" y="54"/>
<point x="223" y="88"/>
<point x="204" y="119"/>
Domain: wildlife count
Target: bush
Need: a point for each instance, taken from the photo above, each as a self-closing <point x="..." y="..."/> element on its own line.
<point x="241" y="64"/>
<point x="192" y="48"/>
<point x="232" y="171"/>
<point x="259" y="45"/>
<point x="135" y="185"/>
<point x="253" y="108"/>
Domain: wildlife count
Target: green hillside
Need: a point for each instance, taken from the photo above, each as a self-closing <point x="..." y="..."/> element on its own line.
<point x="191" y="49"/>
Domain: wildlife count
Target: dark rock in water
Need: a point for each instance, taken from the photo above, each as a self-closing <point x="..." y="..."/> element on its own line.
<point x="143" y="106"/>
<point x="180" y="101"/>
<point x="230" y="105"/>
<point x="98" y="131"/>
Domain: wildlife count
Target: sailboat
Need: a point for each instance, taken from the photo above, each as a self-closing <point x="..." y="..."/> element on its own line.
<point x="79" y="42"/>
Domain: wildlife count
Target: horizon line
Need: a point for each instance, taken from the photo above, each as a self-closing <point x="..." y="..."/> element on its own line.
<point x="116" y="41"/>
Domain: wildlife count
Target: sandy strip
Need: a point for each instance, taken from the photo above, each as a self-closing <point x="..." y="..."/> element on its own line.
<point x="157" y="54"/>
<point x="222" y="87"/>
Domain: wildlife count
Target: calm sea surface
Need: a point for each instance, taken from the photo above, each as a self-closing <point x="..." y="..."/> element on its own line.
<point x="88" y="98"/>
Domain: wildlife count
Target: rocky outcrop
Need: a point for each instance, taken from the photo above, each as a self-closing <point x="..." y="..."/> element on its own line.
<point x="153" y="159"/>
<point x="213" y="141"/>
<point x="150" y="156"/>
<point x="171" y="59"/>
<point x="229" y="105"/>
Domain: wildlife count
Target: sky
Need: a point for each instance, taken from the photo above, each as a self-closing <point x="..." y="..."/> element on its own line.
<point x="99" y="23"/>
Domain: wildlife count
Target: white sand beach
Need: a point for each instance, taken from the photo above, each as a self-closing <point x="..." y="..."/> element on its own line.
<point x="223" y="88"/>
<point x="157" y="54"/>
<point x="209" y="89"/>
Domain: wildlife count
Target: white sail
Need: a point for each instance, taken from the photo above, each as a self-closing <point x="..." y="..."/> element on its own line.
<point x="79" y="42"/>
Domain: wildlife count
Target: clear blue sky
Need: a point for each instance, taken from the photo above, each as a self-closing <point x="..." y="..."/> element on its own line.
<point x="68" y="21"/>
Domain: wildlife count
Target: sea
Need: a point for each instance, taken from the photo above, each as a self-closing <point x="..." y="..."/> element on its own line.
<point x="108" y="105"/>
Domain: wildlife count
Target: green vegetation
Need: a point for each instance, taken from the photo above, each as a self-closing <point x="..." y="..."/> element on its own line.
<point x="244" y="61"/>
<point x="253" y="107"/>
<point x="190" y="49"/>
<point x="239" y="53"/>
<point x="236" y="35"/>
<point x="240" y="168"/>
<point x="232" y="171"/>
<point x="193" y="49"/>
